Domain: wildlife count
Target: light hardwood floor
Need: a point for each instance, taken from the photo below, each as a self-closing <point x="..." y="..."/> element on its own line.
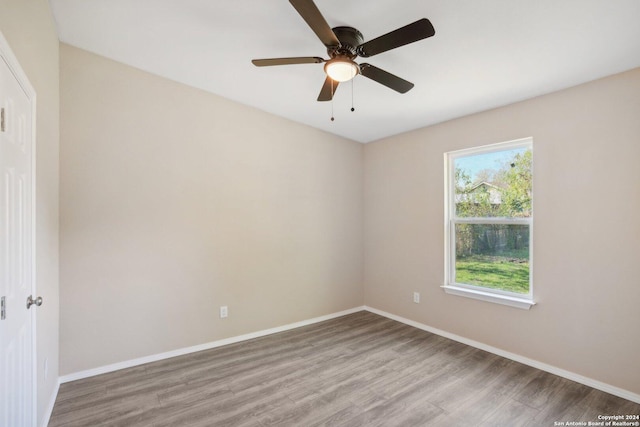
<point x="357" y="370"/>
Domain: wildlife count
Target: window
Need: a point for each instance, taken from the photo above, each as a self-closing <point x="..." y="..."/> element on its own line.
<point x="489" y="216"/>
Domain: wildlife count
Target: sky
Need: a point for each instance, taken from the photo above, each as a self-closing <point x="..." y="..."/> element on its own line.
<point x="474" y="163"/>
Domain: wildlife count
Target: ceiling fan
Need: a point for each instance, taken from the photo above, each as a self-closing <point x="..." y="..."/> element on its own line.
<point x="346" y="43"/>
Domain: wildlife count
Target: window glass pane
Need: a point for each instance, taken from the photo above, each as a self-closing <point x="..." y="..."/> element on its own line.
<point x="494" y="184"/>
<point x="493" y="256"/>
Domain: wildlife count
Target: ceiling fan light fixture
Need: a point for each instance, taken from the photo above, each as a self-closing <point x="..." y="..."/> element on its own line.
<point x="341" y="69"/>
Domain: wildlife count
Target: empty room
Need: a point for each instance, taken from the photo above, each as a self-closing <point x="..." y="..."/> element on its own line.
<point x="319" y="213"/>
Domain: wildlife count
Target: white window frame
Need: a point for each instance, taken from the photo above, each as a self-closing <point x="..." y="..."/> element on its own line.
<point x="524" y="301"/>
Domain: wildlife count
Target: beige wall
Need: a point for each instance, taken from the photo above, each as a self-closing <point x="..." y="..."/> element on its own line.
<point x="175" y="202"/>
<point x="29" y="28"/>
<point x="586" y="229"/>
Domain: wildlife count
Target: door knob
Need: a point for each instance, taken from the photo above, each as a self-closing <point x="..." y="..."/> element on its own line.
<point x="31" y="301"/>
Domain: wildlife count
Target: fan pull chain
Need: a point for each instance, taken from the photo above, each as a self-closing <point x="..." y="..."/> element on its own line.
<point x="352" y="109"/>
<point x="332" y="118"/>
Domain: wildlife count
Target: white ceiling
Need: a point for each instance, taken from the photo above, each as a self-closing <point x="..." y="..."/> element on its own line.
<point x="485" y="53"/>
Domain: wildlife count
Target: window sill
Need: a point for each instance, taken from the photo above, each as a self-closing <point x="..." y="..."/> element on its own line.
<point x="522" y="303"/>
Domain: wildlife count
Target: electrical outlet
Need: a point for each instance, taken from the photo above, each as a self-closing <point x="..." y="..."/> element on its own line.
<point x="416" y="297"/>
<point x="224" y="311"/>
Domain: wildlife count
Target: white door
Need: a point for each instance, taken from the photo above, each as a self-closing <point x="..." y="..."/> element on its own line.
<point x="16" y="275"/>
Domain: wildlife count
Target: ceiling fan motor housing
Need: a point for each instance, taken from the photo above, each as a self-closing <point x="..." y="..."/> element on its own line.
<point x="350" y="39"/>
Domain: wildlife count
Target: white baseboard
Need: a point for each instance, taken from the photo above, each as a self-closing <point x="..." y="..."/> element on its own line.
<point x="607" y="388"/>
<point x="52" y="402"/>
<point x="182" y="351"/>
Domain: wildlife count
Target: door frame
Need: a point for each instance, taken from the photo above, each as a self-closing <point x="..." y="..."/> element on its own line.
<point x="6" y="54"/>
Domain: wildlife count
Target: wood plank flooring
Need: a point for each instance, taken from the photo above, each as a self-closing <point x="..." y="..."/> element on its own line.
<point x="357" y="370"/>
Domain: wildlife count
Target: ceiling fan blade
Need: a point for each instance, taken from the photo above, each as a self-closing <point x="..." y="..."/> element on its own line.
<point x="385" y="78"/>
<point x="418" y="30"/>
<point x="287" y="61"/>
<point x="310" y="13"/>
<point x="327" y="91"/>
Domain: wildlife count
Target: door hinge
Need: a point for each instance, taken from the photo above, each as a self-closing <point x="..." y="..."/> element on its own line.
<point x="2" y="119"/>
<point x="3" y="308"/>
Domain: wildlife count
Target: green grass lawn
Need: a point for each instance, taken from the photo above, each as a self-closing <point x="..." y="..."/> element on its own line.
<point x="504" y="273"/>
